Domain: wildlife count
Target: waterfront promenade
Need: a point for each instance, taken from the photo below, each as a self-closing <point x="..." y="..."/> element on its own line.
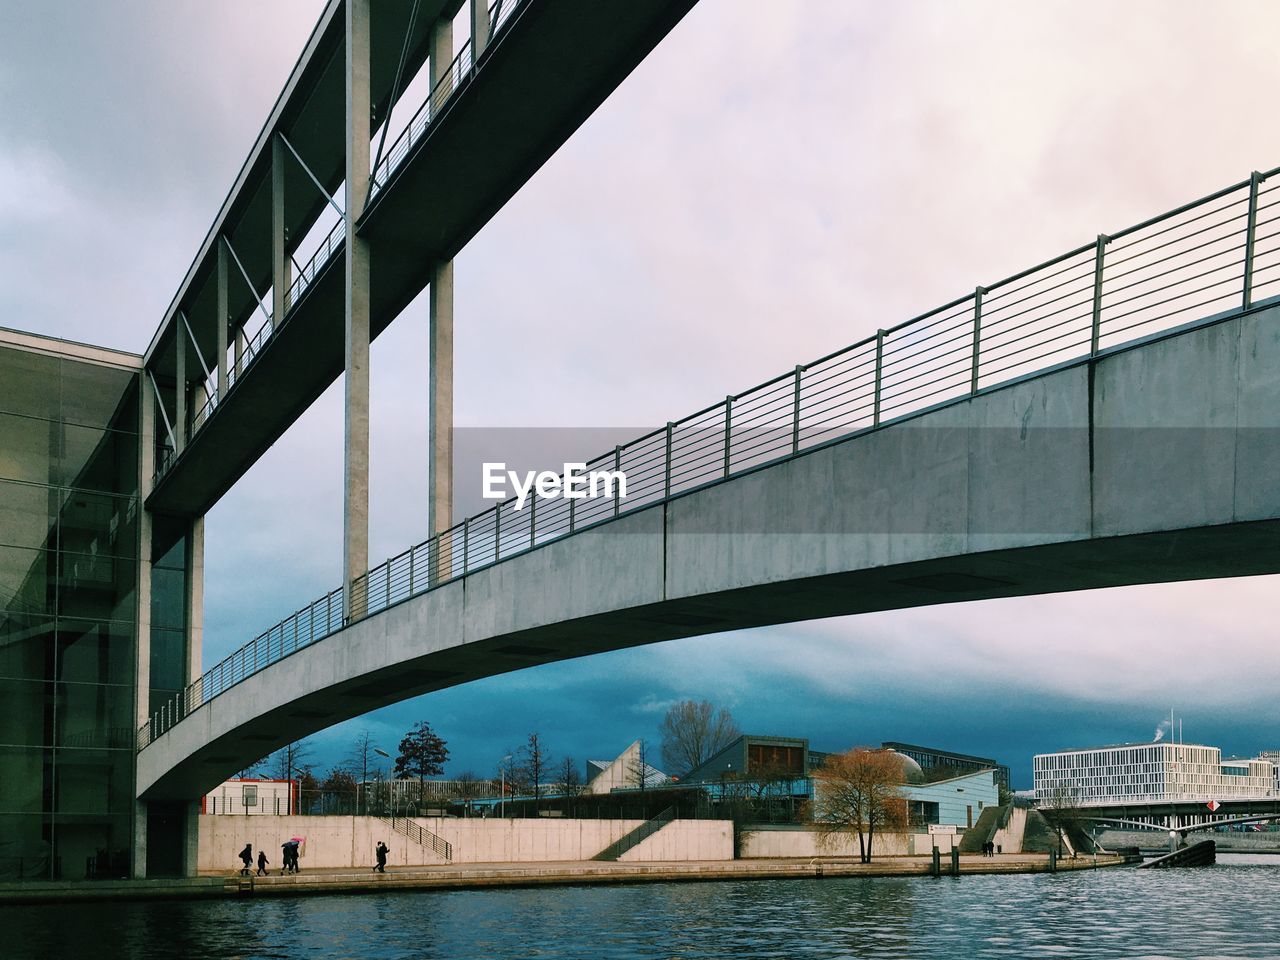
<point x="558" y="873"/>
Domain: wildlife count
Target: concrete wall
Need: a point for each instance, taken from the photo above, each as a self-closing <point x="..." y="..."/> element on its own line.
<point x="791" y="842"/>
<point x="685" y="840"/>
<point x="349" y="841"/>
<point x="960" y="800"/>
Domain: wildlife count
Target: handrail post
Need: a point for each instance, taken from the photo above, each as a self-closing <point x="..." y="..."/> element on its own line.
<point x="387" y="592"/>
<point x="728" y="432"/>
<point x="667" y="480"/>
<point x="497" y="533"/>
<point x="533" y="517"/>
<point x="977" y="338"/>
<point x="617" y="487"/>
<point x="413" y="554"/>
<point x="1255" y="179"/>
<point x="571" y="513"/>
<point x="466" y="536"/>
<point x="1098" y="254"/>
<point x="875" y="415"/>
<point x="795" y="413"/>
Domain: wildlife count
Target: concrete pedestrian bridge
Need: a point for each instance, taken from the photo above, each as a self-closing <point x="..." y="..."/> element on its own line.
<point x="1147" y="460"/>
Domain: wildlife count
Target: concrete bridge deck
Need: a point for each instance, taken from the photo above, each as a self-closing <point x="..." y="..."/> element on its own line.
<point x="1152" y="462"/>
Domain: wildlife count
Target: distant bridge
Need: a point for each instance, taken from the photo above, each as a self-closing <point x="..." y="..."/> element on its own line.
<point x="1183" y="816"/>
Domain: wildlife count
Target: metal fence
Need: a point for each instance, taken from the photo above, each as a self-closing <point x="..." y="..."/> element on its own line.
<point x="1218" y="254"/>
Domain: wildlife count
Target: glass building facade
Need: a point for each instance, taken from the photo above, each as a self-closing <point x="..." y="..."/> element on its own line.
<point x="69" y="522"/>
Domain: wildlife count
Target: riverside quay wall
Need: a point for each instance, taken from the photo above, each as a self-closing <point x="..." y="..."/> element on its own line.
<point x="338" y="842"/>
<point x="333" y="842"/>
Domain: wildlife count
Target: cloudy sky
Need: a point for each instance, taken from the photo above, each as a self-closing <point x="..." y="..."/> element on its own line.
<point x="774" y="182"/>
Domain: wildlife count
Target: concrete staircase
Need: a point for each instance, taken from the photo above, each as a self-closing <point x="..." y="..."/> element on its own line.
<point x="1008" y="838"/>
<point x="416" y="833"/>
<point x="641" y="833"/>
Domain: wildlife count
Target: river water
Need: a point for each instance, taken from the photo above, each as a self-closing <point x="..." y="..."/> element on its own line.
<point x="1228" y="910"/>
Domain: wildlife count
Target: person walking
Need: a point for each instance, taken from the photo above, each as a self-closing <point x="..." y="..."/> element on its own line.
<point x="246" y="858"/>
<point x="262" y="863"/>
<point x="287" y="851"/>
<point x="381" y="851"/>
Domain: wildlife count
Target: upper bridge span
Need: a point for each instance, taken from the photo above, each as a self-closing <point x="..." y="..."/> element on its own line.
<point x="1143" y="462"/>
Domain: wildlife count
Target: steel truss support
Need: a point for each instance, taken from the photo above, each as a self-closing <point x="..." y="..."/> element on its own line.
<point x="307" y="170"/>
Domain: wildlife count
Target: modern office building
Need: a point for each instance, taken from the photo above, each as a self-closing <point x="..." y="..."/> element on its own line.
<point x="782" y="767"/>
<point x="943" y="764"/>
<point x="72" y="680"/>
<point x="1150" y="773"/>
<point x="100" y="613"/>
<point x="753" y="757"/>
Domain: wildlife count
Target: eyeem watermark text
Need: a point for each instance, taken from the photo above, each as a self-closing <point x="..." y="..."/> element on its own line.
<point x="575" y="483"/>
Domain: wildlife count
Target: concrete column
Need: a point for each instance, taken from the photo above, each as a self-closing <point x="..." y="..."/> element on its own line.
<point x="440" y="378"/>
<point x="191" y="838"/>
<point x="479" y="27"/>
<point x="142" y="610"/>
<point x="195" y="599"/>
<point x="180" y="390"/>
<point x="441" y="49"/>
<point x="355" y="555"/>
<point x="223" y="311"/>
<point x="281" y="275"/>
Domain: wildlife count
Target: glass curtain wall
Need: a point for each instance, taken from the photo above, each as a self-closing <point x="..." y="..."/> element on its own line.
<point x="68" y="569"/>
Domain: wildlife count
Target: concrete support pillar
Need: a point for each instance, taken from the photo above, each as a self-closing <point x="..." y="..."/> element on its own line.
<point x="441" y="49"/>
<point x="281" y="275"/>
<point x="479" y="27"/>
<point x="191" y="838"/>
<point x="355" y="557"/>
<point x="180" y="391"/>
<point x="142" y="609"/>
<point x="195" y="600"/>
<point x="440" y="380"/>
<point x="224" y="311"/>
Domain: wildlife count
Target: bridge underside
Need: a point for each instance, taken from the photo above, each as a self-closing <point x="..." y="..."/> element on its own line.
<point x="1153" y="463"/>
<point x="544" y="74"/>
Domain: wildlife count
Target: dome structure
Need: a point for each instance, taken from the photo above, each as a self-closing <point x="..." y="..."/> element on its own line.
<point x="911" y="771"/>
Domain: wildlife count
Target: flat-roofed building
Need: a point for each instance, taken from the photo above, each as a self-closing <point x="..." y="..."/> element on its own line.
<point x="1150" y="773"/>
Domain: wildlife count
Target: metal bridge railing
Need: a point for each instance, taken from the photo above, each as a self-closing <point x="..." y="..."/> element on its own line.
<point x="460" y="69"/>
<point x="1218" y="254"/>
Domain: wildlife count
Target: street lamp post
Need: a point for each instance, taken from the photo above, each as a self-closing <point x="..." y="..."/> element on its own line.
<point x="362" y="791"/>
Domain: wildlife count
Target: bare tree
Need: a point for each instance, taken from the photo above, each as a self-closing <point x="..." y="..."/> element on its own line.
<point x="291" y="760"/>
<point x="570" y="778"/>
<point x="535" y="763"/>
<point x="1062" y="809"/>
<point x="693" y="731"/>
<point x="362" y="758"/>
<point x="857" y="792"/>
<point x="638" y="768"/>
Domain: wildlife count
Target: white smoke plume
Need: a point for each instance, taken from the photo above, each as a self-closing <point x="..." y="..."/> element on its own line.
<point x="1161" y="727"/>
